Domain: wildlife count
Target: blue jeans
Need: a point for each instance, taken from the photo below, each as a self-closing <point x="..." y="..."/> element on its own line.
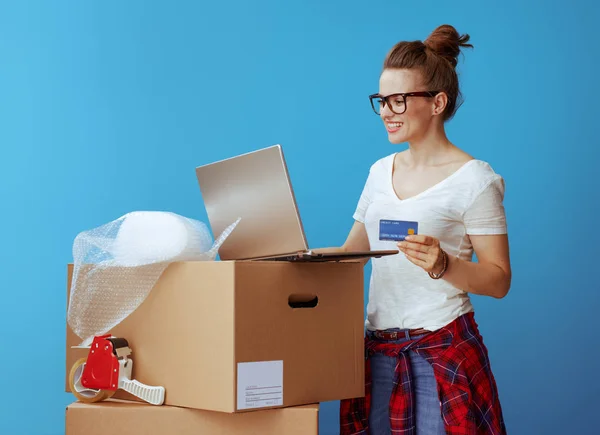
<point x="427" y="403"/>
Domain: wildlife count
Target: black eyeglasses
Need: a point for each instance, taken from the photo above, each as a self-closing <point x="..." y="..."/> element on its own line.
<point x="396" y="102"/>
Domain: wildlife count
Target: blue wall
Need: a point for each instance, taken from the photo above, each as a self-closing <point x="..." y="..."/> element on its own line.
<point x="107" y="107"/>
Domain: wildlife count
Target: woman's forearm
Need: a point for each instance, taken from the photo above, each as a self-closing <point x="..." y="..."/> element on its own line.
<point x="481" y="278"/>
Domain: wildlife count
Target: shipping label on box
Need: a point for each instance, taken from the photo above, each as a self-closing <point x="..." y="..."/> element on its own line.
<point x="259" y="384"/>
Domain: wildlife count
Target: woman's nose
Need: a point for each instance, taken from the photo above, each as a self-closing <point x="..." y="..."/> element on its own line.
<point x="385" y="111"/>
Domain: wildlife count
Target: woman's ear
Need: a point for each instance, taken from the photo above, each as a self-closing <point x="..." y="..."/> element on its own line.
<point x="440" y="101"/>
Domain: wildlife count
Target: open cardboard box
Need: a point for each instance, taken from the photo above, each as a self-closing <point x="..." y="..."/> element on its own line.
<point x="230" y="335"/>
<point x="136" y="418"/>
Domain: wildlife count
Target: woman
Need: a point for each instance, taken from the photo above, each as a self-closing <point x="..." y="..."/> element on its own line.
<point x="427" y="368"/>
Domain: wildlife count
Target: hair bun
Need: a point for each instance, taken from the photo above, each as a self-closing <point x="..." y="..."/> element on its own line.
<point x="446" y="42"/>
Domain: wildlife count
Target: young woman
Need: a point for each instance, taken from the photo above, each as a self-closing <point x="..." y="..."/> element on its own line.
<point x="427" y="369"/>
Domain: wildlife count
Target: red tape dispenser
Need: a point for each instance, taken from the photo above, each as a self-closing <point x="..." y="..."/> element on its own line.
<point x="106" y="369"/>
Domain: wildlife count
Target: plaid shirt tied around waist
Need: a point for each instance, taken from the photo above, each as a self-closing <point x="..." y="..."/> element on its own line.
<point x="466" y="386"/>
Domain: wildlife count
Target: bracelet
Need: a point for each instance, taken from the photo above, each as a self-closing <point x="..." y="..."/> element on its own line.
<point x="444" y="268"/>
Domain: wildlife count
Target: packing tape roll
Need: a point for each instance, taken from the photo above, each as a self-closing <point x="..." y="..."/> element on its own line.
<point x="86" y="398"/>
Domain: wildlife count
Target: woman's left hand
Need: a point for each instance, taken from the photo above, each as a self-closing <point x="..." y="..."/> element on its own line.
<point x="424" y="251"/>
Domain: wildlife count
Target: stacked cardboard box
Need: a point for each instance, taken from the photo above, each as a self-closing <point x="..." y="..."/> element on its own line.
<point x="134" y="418"/>
<point x="240" y="347"/>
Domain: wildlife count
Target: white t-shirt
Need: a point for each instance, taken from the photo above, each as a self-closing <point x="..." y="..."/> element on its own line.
<point x="468" y="202"/>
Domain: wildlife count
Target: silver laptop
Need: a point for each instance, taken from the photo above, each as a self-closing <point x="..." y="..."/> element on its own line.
<point x="256" y="187"/>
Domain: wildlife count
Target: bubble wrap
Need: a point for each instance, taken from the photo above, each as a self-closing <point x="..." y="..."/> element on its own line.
<point x="117" y="264"/>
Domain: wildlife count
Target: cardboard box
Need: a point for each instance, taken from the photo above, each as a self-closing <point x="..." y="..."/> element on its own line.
<point x="218" y="334"/>
<point x="113" y="417"/>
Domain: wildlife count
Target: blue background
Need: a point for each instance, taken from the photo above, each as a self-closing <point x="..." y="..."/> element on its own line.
<point x="107" y="107"/>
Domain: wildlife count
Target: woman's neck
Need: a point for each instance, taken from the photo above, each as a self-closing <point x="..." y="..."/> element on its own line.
<point x="431" y="149"/>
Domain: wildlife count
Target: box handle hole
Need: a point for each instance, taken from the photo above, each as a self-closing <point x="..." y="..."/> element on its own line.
<point x="303" y="300"/>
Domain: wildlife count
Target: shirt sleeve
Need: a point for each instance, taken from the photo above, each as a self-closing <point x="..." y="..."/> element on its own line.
<point x="365" y="200"/>
<point x="486" y="214"/>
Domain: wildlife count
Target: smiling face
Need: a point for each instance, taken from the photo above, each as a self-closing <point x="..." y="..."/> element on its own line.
<point x="420" y="112"/>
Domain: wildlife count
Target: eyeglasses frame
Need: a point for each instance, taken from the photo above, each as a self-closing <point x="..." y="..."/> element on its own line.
<point x="403" y="95"/>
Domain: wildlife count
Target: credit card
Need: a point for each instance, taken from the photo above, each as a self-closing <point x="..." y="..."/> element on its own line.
<point x="396" y="230"/>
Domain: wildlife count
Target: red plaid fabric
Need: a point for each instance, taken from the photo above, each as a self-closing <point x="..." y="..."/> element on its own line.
<point x="466" y="387"/>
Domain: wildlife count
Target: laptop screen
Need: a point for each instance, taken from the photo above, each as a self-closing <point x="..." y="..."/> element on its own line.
<point x="255" y="187"/>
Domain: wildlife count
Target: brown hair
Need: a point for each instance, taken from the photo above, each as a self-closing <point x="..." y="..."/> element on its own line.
<point x="436" y="58"/>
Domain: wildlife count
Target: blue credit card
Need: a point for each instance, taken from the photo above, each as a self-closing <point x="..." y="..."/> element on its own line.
<point x="396" y="230"/>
